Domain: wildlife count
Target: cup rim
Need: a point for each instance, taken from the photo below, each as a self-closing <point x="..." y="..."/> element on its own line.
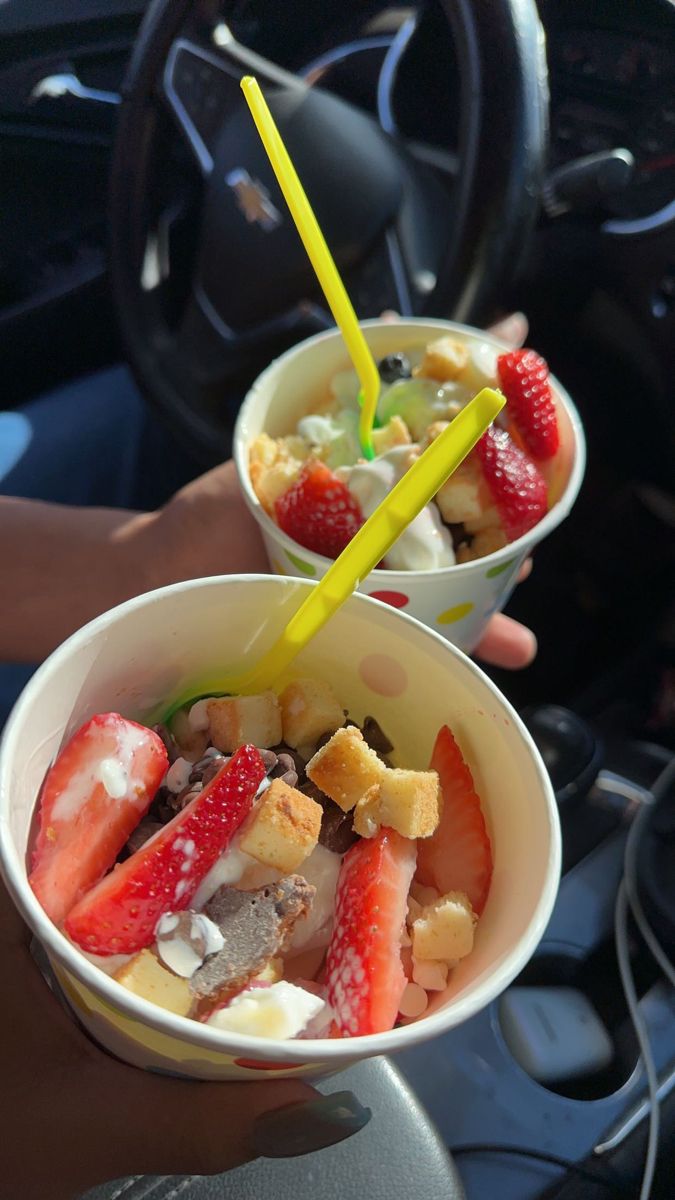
<point x="310" y="1051"/>
<point x="497" y="558"/>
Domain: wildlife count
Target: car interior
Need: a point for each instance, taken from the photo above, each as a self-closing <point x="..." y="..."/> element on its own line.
<point x="466" y="159"/>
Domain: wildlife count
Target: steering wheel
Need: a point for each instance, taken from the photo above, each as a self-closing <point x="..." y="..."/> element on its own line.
<point x="209" y="276"/>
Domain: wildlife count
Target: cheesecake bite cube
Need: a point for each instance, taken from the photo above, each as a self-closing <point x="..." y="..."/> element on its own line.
<point x="444" y="930"/>
<point x="309" y="710"/>
<point x="345" y="768"/>
<point x="283" y="828"/>
<point x="145" y="976"/>
<point x="237" y="720"/>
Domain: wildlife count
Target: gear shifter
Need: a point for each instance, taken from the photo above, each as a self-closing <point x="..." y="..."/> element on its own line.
<point x="569" y="748"/>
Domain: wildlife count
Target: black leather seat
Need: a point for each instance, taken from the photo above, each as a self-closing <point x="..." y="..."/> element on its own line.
<point x="398" y="1154"/>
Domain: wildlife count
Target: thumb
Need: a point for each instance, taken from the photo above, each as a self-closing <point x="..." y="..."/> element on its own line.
<point x="165" y="1126"/>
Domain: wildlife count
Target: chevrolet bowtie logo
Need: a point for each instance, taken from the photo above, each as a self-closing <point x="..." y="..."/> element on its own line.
<point x="253" y="200"/>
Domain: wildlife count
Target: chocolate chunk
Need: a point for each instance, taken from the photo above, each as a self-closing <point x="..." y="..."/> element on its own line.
<point x="324" y="740"/>
<point x="336" y="832"/>
<point x="161" y="808"/>
<point x="376" y="738"/>
<point x="297" y="759"/>
<point x="269" y="758"/>
<point x="256" y="926"/>
<point x="142" y="833"/>
<point x="308" y="788"/>
<point x="181" y="801"/>
<point x="216" y="764"/>
<point x="208" y="766"/>
<point x="285" y="770"/>
<point x="170" y="743"/>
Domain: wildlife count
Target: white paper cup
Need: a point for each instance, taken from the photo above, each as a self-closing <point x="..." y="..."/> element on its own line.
<point x="456" y="601"/>
<point x="138" y="657"/>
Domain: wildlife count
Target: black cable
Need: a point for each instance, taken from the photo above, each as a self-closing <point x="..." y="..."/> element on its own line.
<point x="605" y="1176"/>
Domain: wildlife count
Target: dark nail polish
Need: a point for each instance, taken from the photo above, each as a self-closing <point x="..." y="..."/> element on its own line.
<point x="302" y="1128"/>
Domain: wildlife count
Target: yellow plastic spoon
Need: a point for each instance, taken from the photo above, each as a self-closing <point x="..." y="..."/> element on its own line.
<point x="320" y="258"/>
<point x="365" y="550"/>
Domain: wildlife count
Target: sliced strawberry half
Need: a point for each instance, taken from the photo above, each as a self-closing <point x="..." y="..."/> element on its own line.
<point x="364" y="975"/>
<point x="516" y="485"/>
<point x="119" y="916"/>
<point x="458" y="856"/>
<point x="319" y="511"/>
<point x="524" y="380"/>
<point x="93" y="797"/>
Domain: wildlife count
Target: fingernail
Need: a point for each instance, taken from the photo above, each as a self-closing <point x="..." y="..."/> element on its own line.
<point x="514" y="328"/>
<point x="301" y="1128"/>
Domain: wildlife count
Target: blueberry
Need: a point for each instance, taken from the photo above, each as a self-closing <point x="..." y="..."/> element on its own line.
<point x="393" y="367"/>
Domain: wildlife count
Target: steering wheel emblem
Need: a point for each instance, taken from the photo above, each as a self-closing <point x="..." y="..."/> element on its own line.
<point x="253" y="200"/>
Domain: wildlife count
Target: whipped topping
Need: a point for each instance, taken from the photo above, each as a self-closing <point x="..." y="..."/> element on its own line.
<point x="113" y="770"/>
<point x="335" y="438"/>
<point x="113" y="777"/>
<point x="318" y="429"/>
<point x="185" y="941"/>
<point x="321" y="869"/>
<point x="426" y="544"/>
<point x="198" y="716"/>
<point x="226" y="871"/>
<point x="281" y="1010"/>
<point x="178" y="775"/>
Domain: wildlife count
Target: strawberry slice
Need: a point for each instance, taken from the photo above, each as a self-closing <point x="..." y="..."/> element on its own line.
<point x="319" y="511"/>
<point x="516" y="485"/>
<point x="457" y="857"/>
<point x="364" y="975"/>
<point x="523" y="376"/>
<point x="93" y="796"/>
<point x="120" y="915"/>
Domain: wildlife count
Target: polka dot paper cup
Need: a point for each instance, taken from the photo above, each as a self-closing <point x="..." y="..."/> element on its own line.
<point x="140" y="656"/>
<point x="456" y="601"/>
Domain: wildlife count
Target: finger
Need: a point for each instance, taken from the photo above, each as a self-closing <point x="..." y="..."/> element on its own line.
<point x="507" y="643"/>
<point x="525" y="571"/>
<point x="175" y="1127"/>
<point x="512" y="329"/>
<point x="389" y="316"/>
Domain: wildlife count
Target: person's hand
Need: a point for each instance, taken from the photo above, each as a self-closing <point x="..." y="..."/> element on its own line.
<point x="507" y="643"/>
<point x="73" y="1117"/>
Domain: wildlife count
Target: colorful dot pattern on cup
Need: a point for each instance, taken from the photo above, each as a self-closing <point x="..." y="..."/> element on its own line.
<point x="305" y="567"/>
<point x="456" y="613"/>
<point x="499" y="569"/>
<point x="384" y="675"/>
<point x="395" y="599"/>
